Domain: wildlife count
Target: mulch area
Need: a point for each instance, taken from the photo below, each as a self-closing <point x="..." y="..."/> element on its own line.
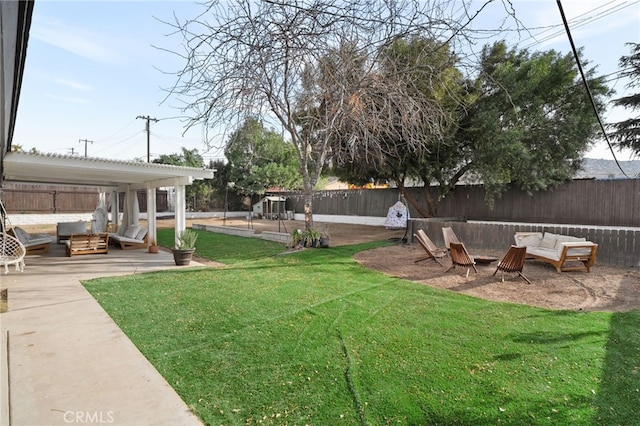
<point x="605" y="288"/>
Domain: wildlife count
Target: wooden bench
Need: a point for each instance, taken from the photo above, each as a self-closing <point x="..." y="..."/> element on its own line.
<point x="78" y="244"/>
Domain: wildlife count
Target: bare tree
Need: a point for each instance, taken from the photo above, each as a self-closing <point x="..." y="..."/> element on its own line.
<point x="271" y="59"/>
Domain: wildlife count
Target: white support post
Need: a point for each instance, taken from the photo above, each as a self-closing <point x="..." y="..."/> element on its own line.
<point x="115" y="211"/>
<point x="151" y="214"/>
<point x="180" y="213"/>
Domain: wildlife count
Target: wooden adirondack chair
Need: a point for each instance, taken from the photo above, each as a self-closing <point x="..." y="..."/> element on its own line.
<point x="513" y="261"/>
<point x="449" y="237"/>
<point x="460" y="257"/>
<point x="432" y="251"/>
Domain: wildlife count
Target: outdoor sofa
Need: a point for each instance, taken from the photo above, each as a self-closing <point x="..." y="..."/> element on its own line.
<point x="558" y="250"/>
<point x="134" y="237"/>
<point x="78" y="244"/>
<point x="65" y="229"/>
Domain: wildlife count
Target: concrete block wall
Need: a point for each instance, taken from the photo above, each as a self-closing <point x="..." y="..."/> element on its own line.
<point x="240" y="232"/>
<point x="48" y="219"/>
<point x="353" y="220"/>
<point x="279" y="237"/>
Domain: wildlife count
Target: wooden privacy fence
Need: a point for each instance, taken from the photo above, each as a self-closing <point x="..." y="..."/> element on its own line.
<point x="46" y="201"/>
<point x="585" y="202"/>
<point x="619" y="247"/>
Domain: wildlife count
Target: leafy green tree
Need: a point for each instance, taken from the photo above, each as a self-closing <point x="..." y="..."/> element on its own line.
<point x="626" y="133"/>
<point x="525" y="120"/>
<point x="530" y="123"/>
<point x="197" y="195"/>
<point x="260" y="159"/>
<point x="189" y="158"/>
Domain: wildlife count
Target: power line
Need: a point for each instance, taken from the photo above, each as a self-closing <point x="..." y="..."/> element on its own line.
<point x="576" y="22"/>
<point x="586" y="85"/>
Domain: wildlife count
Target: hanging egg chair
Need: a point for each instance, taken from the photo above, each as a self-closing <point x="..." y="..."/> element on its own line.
<point x="12" y="251"/>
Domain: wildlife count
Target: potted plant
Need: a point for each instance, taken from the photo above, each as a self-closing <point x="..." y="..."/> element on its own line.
<point x="296" y="239"/>
<point x="183" y="251"/>
<point x="311" y="237"/>
<point x="323" y="242"/>
<point x="153" y="246"/>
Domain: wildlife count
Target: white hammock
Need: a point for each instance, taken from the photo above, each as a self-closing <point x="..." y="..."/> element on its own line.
<point x="12" y="251"/>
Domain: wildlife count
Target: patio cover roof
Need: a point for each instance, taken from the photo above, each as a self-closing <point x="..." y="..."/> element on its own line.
<point x="69" y="170"/>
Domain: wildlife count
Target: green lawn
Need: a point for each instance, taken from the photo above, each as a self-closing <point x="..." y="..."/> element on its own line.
<point x="314" y="338"/>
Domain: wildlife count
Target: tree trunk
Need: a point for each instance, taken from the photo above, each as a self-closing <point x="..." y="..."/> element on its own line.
<point x="308" y="206"/>
<point x="421" y="211"/>
<point x="432" y="203"/>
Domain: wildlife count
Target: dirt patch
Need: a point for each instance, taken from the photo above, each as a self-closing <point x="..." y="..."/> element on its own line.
<point x="605" y="288"/>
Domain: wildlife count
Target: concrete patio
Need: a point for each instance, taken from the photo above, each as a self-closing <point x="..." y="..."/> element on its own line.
<point x="64" y="361"/>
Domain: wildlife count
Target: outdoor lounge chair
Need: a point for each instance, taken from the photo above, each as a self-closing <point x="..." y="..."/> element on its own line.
<point x="513" y="261"/>
<point x="33" y="243"/>
<point x="432" y="251"/>
<point x="449" y="237"/>
<point x="134" y="237"/>
<point x="460" y="257"/>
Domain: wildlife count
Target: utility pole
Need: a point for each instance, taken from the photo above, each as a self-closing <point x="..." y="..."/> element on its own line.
<point x="148" y="134"/>
<point x="85" y="145"/>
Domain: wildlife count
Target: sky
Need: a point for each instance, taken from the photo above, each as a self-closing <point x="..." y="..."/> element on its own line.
<point x="94" y="69"/>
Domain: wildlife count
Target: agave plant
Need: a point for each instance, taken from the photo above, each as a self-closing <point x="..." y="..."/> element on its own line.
<point x="187" y="240"/>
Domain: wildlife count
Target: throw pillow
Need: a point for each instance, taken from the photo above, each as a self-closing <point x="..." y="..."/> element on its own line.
<point x="141" y="233"/>
<point x="132" y="231"/>
<point x="529" y="241"/>
<point x="549" y="240"/>
<point x="21" y="235"/>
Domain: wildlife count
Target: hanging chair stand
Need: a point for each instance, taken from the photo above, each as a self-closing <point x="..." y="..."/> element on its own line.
<point x="12" y="251"/>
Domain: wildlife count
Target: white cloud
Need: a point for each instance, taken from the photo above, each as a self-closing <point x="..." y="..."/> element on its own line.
<point x="73" y="84"/>
<point x="69" y="100"/>
<point x="79" y="41"/>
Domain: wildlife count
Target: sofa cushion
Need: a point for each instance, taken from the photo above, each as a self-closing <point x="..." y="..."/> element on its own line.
<point x="142" y="232"/>
<point x="549" y="240"/>
<point x="69" y="228"/>
<point x="568" y="238"/>
<point x="527" y="240"/>
<point x="21" y="234"/>
<point x="132" y="231"/>
<point x="548" y="253"/>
